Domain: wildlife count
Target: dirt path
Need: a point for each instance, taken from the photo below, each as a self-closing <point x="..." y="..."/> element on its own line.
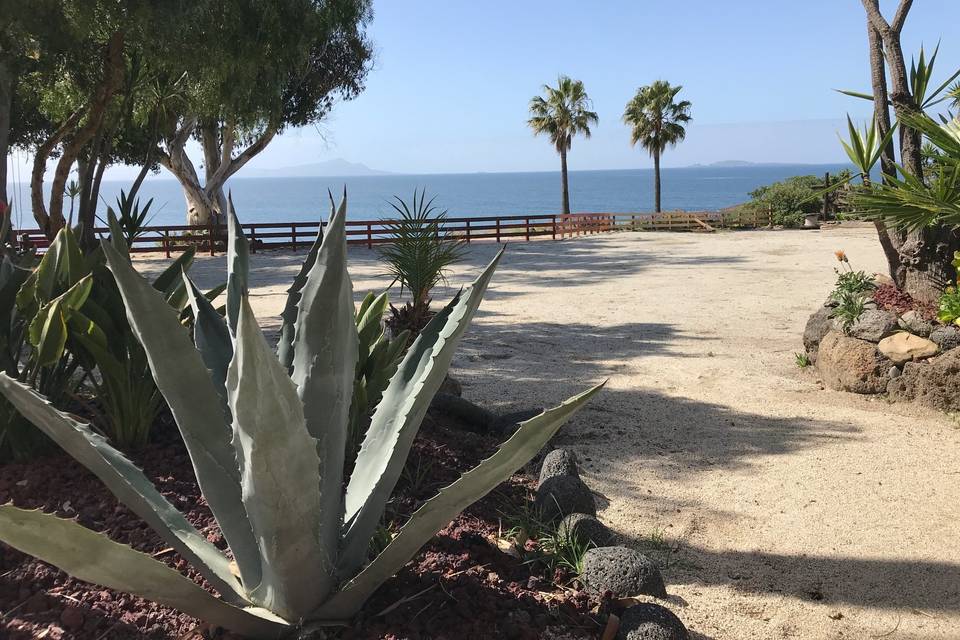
<point x="794" y="512"/>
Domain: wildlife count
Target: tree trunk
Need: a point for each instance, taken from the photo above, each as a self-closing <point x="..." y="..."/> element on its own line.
<point x="924" y="257"/>
<point x="207" y="202"/>
<point x="6" y="106"/>
<point x="656" y="180"/>
<point x="890" y="239"/>
<point x="563" y="180"/>
<point x="113" y="68"/>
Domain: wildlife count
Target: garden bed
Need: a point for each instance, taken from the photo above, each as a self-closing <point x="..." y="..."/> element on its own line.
<point x="458" y="585"/>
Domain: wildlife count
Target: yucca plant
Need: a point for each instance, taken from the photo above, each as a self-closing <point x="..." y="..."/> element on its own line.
<point x="266" y="436"/>
<point x="418" y="257"/>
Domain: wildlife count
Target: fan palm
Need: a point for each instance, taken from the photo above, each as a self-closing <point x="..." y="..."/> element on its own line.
<point x="656" y="122"/>
<point x="562" y="113"/>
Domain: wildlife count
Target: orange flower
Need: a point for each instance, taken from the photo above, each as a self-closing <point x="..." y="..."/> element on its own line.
<point x="841" y="256"/>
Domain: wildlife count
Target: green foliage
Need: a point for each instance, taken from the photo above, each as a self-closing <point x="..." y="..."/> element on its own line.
<point x="803" y="360"/>
<point x="562" y="113"/>
<point x="377" y="361"/>
<point x="129" y="217"/>
<point x="915" y="202"/>
<point x="948" y="310"/>
<point x="555" y="547"/>
<point x="655" y="119"/>
<point x="850" y="306"/>
<point x="790" y="200"/>
<point x="418" y="256"/>
<point x="865" y="148"/>
<point x="267" y="442"/>
<point x="851" y="292"/>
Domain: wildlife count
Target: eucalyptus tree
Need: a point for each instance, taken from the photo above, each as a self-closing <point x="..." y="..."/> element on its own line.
<point x="561" y="113"/>
<point x="656" y="122"/>
<point x="265" y="67"/>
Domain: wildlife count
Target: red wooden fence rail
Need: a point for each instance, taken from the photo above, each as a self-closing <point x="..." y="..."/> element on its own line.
<point x="274" y="235"/>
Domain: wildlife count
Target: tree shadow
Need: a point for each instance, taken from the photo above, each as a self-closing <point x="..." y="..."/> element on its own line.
<point x="901" y="583"/>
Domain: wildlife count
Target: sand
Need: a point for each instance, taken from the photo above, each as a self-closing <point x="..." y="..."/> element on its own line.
<point x="779" y="509"/>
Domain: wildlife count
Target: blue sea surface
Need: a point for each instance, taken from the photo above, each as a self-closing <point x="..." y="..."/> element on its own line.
<point x="474" y="194"/>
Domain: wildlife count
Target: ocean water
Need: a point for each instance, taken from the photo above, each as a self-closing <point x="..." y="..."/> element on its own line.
<point x="475" y="194"/>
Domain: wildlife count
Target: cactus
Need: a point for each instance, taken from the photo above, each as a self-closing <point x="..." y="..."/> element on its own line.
<point x="266" y="434"/>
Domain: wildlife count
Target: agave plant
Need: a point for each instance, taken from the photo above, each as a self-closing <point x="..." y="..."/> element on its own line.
<point x="266" y="436"/>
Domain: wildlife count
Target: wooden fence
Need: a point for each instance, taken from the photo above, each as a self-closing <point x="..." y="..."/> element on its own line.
<point x="297" y="235"/>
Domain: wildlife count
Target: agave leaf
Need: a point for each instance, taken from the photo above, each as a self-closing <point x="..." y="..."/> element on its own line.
<point x="184" y="381"/>
<point x="93" y="557"/>
<point x="370" y="316"/>
<point x="212" y="339"/>
<point x="126" y="482"/>
<point x="169" y="280"/>
<point x="292" y="306"/>
<point x="280" y="472"/>
<point x="398" y="416"/>
<point x="436" y="512"/>
<point x="325" y="364"/>
<point x="117" y="238"/>
<point x="238" y="265"/>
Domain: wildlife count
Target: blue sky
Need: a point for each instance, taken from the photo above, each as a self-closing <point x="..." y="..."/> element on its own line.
<point x="452" y="80"/>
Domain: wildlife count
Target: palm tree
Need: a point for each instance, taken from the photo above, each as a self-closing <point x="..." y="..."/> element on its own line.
<point x="656" y="122"/>
<point x="562" y="113"/>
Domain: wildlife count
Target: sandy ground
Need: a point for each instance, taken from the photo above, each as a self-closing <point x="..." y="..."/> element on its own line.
<point x="794" y="512"/>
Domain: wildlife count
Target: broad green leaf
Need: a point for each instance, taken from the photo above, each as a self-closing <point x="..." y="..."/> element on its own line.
<point x="93" y="557"/>
<point x="238" y="265"/>
<point x="436" y="512"/>
<point x="170" y="279"/>
<point x="184" y="381"/>
<point x="325" y="364"/>
<point x="126" y="482"/>
<point x="117" y="238"/>
<point x="397" y="418"/>
<point x="370" y="319"/>
<point x="280" y="472"/>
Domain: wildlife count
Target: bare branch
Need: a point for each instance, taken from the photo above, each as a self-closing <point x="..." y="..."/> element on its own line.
<point x="901" y="15"/>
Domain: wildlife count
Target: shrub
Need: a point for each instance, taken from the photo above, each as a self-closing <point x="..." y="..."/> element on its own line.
<point x="791" y="199"/>
<point x="850" y="283"/>
<point x="267" y="441"/>
<point x="418" y="257"/>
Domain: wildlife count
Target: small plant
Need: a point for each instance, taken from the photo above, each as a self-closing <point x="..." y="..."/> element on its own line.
<point x="850" y="282"/>
<point x="267" y="441"/>
<point x="850" y="306"/>
<point x="560" y="549"/>
<point x="948" y="311"/>
<point x="128" y="217"/>
<point x="418" y="257"/>
<point x="803" y="360"/>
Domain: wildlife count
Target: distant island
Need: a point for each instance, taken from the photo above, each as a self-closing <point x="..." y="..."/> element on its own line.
<point x="336" y="168"/>
<point x="728" y="164"/>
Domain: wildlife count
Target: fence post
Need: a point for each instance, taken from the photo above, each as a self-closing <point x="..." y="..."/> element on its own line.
<point x="166" y="241"/>
<point x="210" y="237"/>
<point x="369" y="235"/>
<point x="527" y="229"/>
<point x="293" y="236"/>
<point x="498" y="230"/>
<point x="468" y="231"/>
<point x="253" y="239"/>
<point x="553" y="226"/>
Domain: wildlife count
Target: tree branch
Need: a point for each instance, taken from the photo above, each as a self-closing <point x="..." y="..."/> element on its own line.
<point x="40" y="167"/>
<point x="901" y="15"/>
<point x="228" y="169"/>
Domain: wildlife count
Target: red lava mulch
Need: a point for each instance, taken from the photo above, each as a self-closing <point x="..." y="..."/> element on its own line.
<point x="890" y="298"/>
<point x="458" y="586"/>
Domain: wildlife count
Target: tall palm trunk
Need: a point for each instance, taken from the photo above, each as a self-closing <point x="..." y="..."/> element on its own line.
<point x="563" y="180"/>
<point x="656" y="180"/>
